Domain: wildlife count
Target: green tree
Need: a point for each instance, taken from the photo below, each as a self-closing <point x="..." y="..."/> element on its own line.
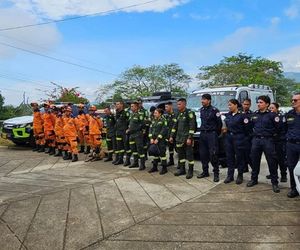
<point x="245" y="69"/>
<point x="144" y="81"/>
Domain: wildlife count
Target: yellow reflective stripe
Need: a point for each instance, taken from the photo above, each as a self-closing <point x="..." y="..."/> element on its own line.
<point x="155" y="158"/>
<point x="159" y="136"/>
<point x="117" y="151"/>
<point x="179" y="145"/>
<point x="182" y="161"/>
<point x="108" y="139"/>
<point x="150" y="135"/>
<point x="134" y="153"/>
<point x="110" y="151"/>
<point x="142" y="155"/>
<point x="163" y="158"/>
<point x="191" y="131"/>
<point x="191" y="162"/>
<point x="122" y="151"/>
<point x="131" y="142"/>
<point x="119" y="138"/>
<point x="173" y="130"/>
<point x="128" y="151"/>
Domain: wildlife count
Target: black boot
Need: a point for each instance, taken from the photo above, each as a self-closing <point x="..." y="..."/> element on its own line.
<point x="275" y="188"/>
<point x="203" y="175"/>
<point x="75" y="158"/>
<point x="116" y="159"/>
<point x="163" y="170"/>
<point x="135" y="162"/>
<point x="127" y="161"/>
<point x="47" y="150"/>
<point x="120" y="160"/>
<point x="228" y="179"/>
<point x="216" y="177"/>
<point x="181" y="171"/>
<point x="190" y="172"/>
<point x="41" y="149"/>
<point x="69" y="156"/>
<point x="142" y="164"/>
<point x="52" y="151"/>
<point x="239" y="179"/>
<point x="58" y="153"/>
<point x="36" y="148"/>
<point x="283" y="178"/>
<point x="88" y="150"/>
<point x="171" y="160"/>
<point x="154" y="167"/>
<point x="293" y="193"/>
<point x="109" y="158"/>
<point x="81" y="149"/>
<point x="65" y="155"/>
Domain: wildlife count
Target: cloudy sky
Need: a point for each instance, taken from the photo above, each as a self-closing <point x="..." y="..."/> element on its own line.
<point x="92" y="50"/>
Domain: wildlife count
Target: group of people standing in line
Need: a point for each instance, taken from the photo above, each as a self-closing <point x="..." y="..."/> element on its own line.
<point x="132" y="133"/>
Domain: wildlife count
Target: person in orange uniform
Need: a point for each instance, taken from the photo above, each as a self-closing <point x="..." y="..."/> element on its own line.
<point x="82" y="121"/>
<point x="70" y="133"/>
<point x="38" y="128"/>
<point x="49" y="122"/>
<point x="95" y="127"/>
<point x="59" y="131"/>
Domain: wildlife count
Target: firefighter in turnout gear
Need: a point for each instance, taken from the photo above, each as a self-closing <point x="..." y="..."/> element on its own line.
<point x="184" y="129"/>
<point x="110" y="133"/>
<point x="70" y="133"/>
<point x="59" y="132"/>
<point x="82" y="121"/>
<point x="135" y="131"/>
<point x="49" y="122"/>
<point x="171" y="120"/>
<point x="95" y="128"/>
<point x="121" y="126"/>
<point x="158" y="134"/>
<point x="38" y="128"/>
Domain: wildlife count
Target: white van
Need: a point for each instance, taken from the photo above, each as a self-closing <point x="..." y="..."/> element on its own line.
<point x="222" y="94"/>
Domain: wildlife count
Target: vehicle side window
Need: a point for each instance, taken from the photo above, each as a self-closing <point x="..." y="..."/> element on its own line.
<point x="243" y="95"/>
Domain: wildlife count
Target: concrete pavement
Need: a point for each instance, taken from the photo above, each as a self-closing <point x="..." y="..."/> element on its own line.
<point x="48" y="203"/>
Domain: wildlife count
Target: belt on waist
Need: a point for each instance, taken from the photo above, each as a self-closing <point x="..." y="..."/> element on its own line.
<point x="263" y="136"/>
<point x="294" y="141"/>
<point x="232" y="133"/>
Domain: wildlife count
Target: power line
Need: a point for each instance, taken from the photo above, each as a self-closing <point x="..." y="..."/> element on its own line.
<point x="44" y="48"/>
<point x="23" y="80"/>
<point x="58" y="59"/>
<point x="78" y="17"/>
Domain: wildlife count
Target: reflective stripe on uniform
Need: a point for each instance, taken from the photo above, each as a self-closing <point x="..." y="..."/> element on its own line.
<point x="182" y="161"/>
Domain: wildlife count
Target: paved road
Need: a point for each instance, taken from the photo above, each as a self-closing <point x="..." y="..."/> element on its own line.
<point x="48" y="203"/>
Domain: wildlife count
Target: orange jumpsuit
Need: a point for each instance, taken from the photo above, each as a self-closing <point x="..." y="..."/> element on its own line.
<point x="82" y="121"/>
<point x="95" y="127"/>
<point x="38" y="128"/>
<point x="59" y="133"/>
<point x="70" y="132"/>
<point x="49" y="122"/>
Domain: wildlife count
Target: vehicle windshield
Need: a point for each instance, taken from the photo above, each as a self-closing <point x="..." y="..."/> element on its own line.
<point x="219" y="99"/>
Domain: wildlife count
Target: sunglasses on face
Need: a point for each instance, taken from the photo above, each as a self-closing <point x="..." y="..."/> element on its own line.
<point x="295" y="100"/>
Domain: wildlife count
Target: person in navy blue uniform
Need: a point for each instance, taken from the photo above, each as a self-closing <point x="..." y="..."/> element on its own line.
<point x="265" y="127"/>
<point x="237" y="129"/>
<point x="211" y="125"/>
<point x="248" y="142"/>
<point x="280" y="143"/>
<point x="293" y="141"/>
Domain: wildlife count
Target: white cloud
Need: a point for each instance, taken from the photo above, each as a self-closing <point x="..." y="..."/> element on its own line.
<point x="289" y="57"/>
<point x="46" y="36"/>
<point x="293" y="10"/>
<point x="57" y="9"/>
<point x="275" y="21"/>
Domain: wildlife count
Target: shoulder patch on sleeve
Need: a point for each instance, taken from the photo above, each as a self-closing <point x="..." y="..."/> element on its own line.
<point x="191" y="115"/>
<point x="246" y="120"/>
<point x="277" y="119"/>
<point x="218" y="114"/>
